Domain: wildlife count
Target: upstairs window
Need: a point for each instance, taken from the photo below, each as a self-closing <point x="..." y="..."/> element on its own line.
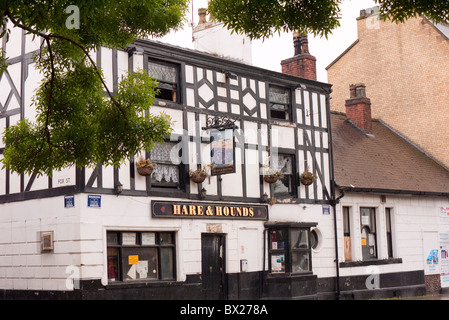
<point x="280" y="104"/>
<point x="167" y="172"/>
<point x="286" y="186"/>
<point x="168" y="81"/>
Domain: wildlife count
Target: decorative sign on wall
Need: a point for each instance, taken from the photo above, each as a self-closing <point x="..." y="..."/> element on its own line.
<point x="163" y="209"/>
<point x="222" y="144"/>
<point x="222" y="151"/>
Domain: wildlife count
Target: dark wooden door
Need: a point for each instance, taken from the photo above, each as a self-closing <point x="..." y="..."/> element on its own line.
<point x="213" y="268"/>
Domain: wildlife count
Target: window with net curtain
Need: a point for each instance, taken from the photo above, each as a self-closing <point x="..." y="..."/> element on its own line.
<point x="166" y="156"/>
<point x="284" y="187"/>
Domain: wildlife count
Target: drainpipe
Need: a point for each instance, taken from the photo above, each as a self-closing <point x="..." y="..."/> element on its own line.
<point x="262" y="284"/>
<point x="337" y="267"/>
<point x="333" y="200"/>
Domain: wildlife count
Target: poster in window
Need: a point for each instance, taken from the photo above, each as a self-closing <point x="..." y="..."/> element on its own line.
<point x="444" y="271"/>
<point x="277" y="263"/>
<point x="222" y="151"/>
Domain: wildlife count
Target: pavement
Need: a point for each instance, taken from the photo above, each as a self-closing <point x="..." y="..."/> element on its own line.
<point x="428" y="297"/>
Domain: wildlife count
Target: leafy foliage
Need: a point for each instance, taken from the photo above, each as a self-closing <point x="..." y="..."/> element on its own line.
<point x="77" y="123"/>
<point x="263" y="18"/>
<point x="401" y="10"/>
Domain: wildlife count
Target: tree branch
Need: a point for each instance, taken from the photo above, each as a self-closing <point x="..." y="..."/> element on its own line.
<point x="47" y="37"/>
<point x="50" y="95"/>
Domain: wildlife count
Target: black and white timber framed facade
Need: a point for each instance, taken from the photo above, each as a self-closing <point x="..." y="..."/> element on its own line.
<point x="101" y="225"/>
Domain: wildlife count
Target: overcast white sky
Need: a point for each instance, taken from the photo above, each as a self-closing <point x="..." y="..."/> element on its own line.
<point x="268" y="54"/>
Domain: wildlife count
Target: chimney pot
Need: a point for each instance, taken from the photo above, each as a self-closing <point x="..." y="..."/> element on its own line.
<point x="360" y="90"/>
<point x="304" y="44"/>
<point x="302" y="64"/>
<point x="297" y="45"/>
<point x="352" y="89"/>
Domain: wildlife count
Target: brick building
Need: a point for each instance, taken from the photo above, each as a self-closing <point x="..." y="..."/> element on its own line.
<point x="391" y="220"/>
<point x="404" y="67"/>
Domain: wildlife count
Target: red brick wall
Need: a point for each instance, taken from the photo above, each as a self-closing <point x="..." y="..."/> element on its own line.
<point x="303" y="65"/>
<point x="405" y="69"/>
<point x="359" y="111"/>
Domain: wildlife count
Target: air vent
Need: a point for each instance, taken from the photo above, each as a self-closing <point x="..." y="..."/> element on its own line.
<point x="47" y="241"/>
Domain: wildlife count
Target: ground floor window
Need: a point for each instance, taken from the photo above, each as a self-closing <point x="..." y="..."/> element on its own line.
<point x="289" y="248"/>
<point x="140" y="255"/>
<point x="389" y="232"/>
<point x="368" y="233"/>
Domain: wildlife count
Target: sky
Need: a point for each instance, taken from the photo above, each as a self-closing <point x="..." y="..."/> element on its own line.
<point x="269" y="53"/>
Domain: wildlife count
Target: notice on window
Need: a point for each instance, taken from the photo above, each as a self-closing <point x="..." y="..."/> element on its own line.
<point x="444" y="270"/>
<point x="277" y="263"/>
<point x="128" y="238"/>
<point x="148" y="238"/>
<point x="142" y="269"/>
<point x="134" y="259"/>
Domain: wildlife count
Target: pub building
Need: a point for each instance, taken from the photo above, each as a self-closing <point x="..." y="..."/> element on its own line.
<point x="241" y="233"/>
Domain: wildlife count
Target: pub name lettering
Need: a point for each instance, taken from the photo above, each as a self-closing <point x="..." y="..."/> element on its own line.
<point x="198" y="210"/>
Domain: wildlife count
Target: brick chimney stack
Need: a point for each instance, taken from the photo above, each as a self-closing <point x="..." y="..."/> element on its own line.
<point x="202" y="15"/>
<point x="302" y="64"/>
<point x="358" y="107"/>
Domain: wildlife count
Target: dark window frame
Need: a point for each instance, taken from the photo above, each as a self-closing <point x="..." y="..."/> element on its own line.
<point x="180" y="185"/>
<point x="166" y="86"/>
<point x="371" y="234"/>
<point x="291" y="178"/>
<point x="389" y="232"/>
<point x="285" y="251"/>
<point x="347" y="238"/>
<point x="285" y="114"/>
<point x="120" y="260"/>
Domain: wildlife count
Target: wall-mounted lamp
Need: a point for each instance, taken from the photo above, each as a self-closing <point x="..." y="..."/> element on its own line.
<point x="264" y="198"/>
<point x="118" y="188"/>
<point x="231" y="75"/>
<point x="203" y="193"/>
<point x="133" y="49"/>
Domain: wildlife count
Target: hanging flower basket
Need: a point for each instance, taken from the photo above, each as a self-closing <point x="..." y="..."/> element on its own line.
<point x="270" y="175"/>
<point x="145" y="167"/>
<point x="270" y="179"/>
<point x="198" y="175"/>
<point x="307" y="178"/>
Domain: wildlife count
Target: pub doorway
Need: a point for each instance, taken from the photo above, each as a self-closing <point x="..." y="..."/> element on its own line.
<point x="213" y="266"/>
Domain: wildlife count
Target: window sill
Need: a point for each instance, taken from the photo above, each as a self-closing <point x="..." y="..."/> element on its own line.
<point x="349" y="264"/>
<point x="167" y="192"/>
<point x="291" y="275"/>
<point x="141" y="283"/>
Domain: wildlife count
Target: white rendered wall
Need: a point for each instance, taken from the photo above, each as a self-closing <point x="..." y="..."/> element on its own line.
<point x="216" y="39"/>
<point x="412" y="216"/>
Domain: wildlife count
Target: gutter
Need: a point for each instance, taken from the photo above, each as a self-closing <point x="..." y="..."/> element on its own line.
<point x="395" y="192"/>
